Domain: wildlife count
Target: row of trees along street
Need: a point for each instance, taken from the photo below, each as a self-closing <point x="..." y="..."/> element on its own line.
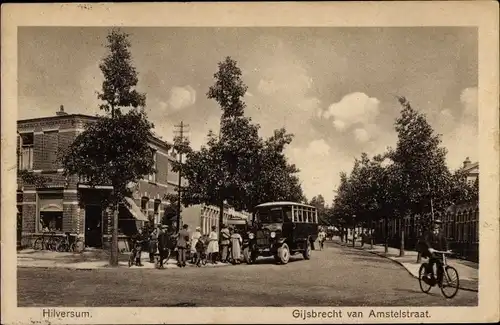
<point x="409" y="180"/>
<point x="237" y="167"/>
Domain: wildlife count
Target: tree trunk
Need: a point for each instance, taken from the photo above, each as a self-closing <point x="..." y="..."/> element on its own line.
<point x="114" y="237"/>
<point x="221" y="215"/>
<point x="371" y="236"/>
<point x="402" y="247"/>
<point x="386" y="230"/>
<point x="419" y="258"/>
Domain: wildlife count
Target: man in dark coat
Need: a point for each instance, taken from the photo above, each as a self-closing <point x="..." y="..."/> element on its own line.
<point x="434" y="240"/>
<point x="137" y="241"/>
<point x="162" y="245"/>
<point x="182" y="245"/>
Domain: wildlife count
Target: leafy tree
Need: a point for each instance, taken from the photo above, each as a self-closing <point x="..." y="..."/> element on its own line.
<point x="120" y="76"/>
<point x="114" y="150"/>
<point x="421" y="162"/>
<point x="319" y="203"/>
<point x="238" y="166"/>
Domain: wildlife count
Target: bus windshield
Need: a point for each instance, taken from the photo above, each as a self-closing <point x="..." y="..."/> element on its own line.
<point x="273" y="215"/>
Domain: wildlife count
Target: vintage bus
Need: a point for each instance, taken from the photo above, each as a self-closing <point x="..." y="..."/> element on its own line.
<point x="281" y="229"/>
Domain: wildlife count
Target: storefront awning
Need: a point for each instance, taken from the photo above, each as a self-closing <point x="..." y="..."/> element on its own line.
<point x="134" y="209"/>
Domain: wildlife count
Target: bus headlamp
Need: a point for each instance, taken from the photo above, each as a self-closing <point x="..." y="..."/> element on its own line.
<point x="251" y="235"/>
<point x="273" y="234"/>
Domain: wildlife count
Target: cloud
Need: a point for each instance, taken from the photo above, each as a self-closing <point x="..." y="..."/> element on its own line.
<point x="339" y="125"/>
<point x="180" y="97"/>
<point x="469" y="99"/>
<point x="353" y="108"/>
<point x="361" y="135"/>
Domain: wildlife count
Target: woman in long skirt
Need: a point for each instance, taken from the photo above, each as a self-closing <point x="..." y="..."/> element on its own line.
<point x="213" y="245"/>
<point x="236" y="242"/>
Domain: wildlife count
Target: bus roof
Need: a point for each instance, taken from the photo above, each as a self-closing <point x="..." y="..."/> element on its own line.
<point x="270" y="204"/>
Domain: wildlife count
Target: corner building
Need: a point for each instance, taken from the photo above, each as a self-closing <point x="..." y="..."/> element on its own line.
<point x="63" y="205"/>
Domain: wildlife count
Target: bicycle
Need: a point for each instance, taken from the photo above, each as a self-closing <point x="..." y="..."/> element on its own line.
<point x="445" y="276"/>
<point x="41" y="243"/>
<point x="66" y="245"/>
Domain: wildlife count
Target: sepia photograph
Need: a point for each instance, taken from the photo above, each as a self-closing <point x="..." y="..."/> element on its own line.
<point x="247" y="166"/>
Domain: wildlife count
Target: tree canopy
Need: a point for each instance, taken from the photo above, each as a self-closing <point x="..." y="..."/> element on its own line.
<point x="402" y="181"/>
<point x="238" y="166"/>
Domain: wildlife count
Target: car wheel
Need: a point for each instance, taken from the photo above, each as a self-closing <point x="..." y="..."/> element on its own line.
<point x="307" y="251"/>
<point x="284" y="254"/>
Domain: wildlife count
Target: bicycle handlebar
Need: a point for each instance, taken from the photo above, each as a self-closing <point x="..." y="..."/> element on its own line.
<point x="444" y="252"/>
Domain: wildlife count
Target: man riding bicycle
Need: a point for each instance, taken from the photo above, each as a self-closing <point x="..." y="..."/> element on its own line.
<point x="434" y="240"/>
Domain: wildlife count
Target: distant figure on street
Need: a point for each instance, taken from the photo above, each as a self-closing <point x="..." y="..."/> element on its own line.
<point x="224" y="243"/>
<point x="213" y="245"/>
<point x="236" y="242"/>
<point x="182" y="243"/>
<point x="434" y="240"/>
<point x="194" y="240"/>
<point x="321" y="238"/>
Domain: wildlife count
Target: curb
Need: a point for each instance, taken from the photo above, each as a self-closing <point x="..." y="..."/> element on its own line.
<point x="399" y="263"/>
<point x="107" y="266"/>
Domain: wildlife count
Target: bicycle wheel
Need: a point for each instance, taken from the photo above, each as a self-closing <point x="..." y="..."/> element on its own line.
<point x="422" y="273"/>
<point x="450" y="282"/>
<point x="52" y="244"/>
<point x="38" y="244"/>
<point x="62" y="247"/>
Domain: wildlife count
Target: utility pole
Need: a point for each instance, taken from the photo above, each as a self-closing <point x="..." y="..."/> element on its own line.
<point x="180" y="137"/>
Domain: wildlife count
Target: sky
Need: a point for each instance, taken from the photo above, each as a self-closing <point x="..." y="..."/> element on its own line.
<point x="333" y="88"/>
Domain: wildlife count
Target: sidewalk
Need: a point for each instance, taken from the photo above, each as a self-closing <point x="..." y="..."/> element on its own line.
<point x="88" y="260"/>
<point x="468" y="271"/>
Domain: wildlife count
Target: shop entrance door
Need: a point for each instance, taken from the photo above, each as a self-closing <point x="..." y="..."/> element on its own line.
<point x="93" y="226"/>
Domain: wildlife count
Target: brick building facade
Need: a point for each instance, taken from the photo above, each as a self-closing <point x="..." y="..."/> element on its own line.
<point x="68" y="204"/>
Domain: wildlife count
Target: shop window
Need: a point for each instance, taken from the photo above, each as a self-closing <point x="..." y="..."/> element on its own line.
<point x="51" y="221"/>
<point x="50" y="211"/>
<point x="26" y="151"/>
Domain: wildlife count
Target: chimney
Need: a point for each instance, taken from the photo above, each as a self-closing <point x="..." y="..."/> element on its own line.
<point x="61" y="111"/>
<point x="467" y="162"/>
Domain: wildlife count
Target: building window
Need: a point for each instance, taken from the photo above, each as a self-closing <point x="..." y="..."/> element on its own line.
<point x="152" y="176"/>
<point x="50" y="211"/>
<point x="144" y="205"/>
<point x="26" y="152"/>
<point x="156" y="211"/>
<point x="50" y="147"/>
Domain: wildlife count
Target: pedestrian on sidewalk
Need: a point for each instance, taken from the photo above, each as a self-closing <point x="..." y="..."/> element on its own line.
<point x="163" y="249"/>
<point x="137" y="242"/>
<point x="224" y="243"/>
<point x="153" y="243"/>
<point x="182" y="244"/>
<point x="236" y="242"/>
<point x="200" y="247"/>
<point x="213" y="245"/>
<point x="194" y="240"/>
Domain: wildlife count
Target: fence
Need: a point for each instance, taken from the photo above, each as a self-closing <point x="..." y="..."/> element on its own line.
<point x="460" y="226"/>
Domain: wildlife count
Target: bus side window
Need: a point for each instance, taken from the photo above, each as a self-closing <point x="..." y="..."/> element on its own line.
<point x="288" y="215"/>
<point x="306" y="215"/>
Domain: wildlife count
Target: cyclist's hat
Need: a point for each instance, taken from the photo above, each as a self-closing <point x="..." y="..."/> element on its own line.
<point x="438" y="222"/>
